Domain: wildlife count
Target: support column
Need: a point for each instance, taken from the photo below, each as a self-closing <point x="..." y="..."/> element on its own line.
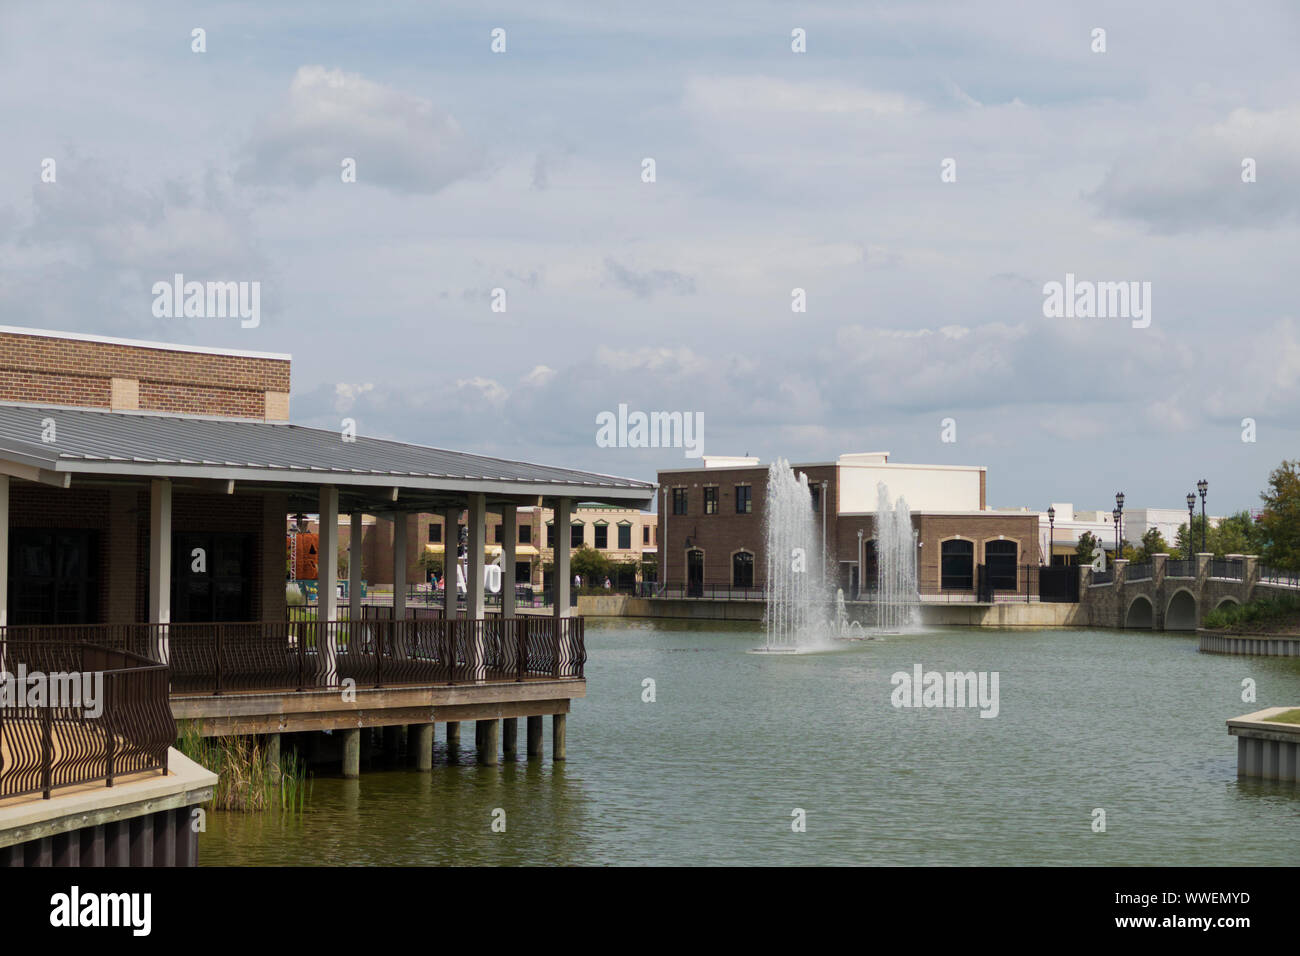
<point x="421" y="741"/>
<point x="327" y="579"/>
<point x="474" y="585"/>
<point x="4" y="550"/>
<point x="453" y="741"/>
<point x="392" y="741"/>
<point x="488" y="733"/>
<point x="356" y="548"/>
<point x="273" y="755"/>
<point x="558" y="730"/>
<point x="563" y="518"/>
<point x="160" y="563"/>
<point x="351" y="752"/>
<point x="399" y="566"/>
<point x="534" y="737"/>
<point x="450" y="541"/>
<point x="509" y="540"/>
<point x="510" y="739"/>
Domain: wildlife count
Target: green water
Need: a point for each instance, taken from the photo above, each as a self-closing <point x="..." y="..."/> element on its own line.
<point x="709" y="773"/>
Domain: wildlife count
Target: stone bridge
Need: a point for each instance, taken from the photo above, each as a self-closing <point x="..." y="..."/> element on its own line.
<point x="1167" y="595"/>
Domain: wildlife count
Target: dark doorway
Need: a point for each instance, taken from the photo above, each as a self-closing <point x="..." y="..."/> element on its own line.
<point x="53" y="576"/>
<point x="742" y="569"/>
<point x="695" y="573"/>
<point x="212" y="576"/>
<point x="957" y="565"/>
<point x="1000" y="560"/>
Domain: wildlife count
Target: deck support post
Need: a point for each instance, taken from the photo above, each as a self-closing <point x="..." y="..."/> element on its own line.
<point x="558" y="731"/>
<point x="489" y="740"/>
<point x="420" y="737"/>
<point x="453" y="734"/>
<point x="534" y="737"/>
<point x="510" y="739"/>
<point x="351" y="752"/>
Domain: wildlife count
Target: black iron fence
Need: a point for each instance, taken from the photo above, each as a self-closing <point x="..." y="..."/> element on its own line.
<point x="104" y="713"/>
<point x="1233" y="569"/>
<point x="1103" y="577"/>
<point x="1287" y="579"/>
<point x="1180" y="568"/>
<point x="1138" y="572"/>
<point x="709" y="592"/>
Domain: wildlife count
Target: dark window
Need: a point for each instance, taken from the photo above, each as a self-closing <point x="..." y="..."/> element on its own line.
<point x="710" y="501"/>
<point x="53" y="576"/>
<point x="602" y="536"/>
<point x="679" y="501"/>
<point x="435" y="533"/>
<point x="816" y="492"/>
<point x="525" y="534"/>
<point x="496" y="534"/>
<point x="645" y="534"/>
<point x="575" y="536"/>
<point x="220" y="588"/>
<point x="695" y="573"/>
<point x="870" y="576"/>
<point x="1000" y="562"/>
<point x="742" y="569"/>
<point x="625" y="537"/>
<point x="957" y="565"/>
<point x="550" y="535"/>
<point x="744" y="499"/>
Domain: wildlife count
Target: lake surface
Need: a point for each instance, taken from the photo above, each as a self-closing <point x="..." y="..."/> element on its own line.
<point x="710" y="773"/>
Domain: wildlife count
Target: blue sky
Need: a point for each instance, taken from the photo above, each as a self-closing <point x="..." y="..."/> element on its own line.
<point x="775" y="171"/>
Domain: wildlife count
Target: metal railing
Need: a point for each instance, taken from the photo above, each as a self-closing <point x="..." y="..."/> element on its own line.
<point x="1103" y="577"/>
<point x="1138" y="572"/>
<point x="710" y="592"/>
<point x="1180" y="569"/>
<point x="1286" y="579"/>
<point x="1232" y="569"/>
<point x="64" y="738"/>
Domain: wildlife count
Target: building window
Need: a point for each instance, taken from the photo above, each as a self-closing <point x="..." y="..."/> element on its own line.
<point x="53" y="576"/>
<point x="679" y="501"/>
<point x="816" y="492"/>
<point x="602" y="536"/>
<point x="645" y="534"/>
<point x="575" y="535"/>
<point x="550" y="535"/>
<point x="742" y="569"/>
<point x="435" y="533"/>
<point x="625" y="536"/>
<point x="525" y="534"/>
<point x="957" y="565"/>
<point x="496" y="534"/>
<point x="1000" y="564"/>
<point x="695" y="573"/>
<point x="710" y="501"/>
<point x="222" y="592"/>
<point x="744" y="499"/>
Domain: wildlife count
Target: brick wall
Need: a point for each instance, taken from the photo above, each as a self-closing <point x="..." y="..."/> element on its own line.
<point x="125" y="375"/>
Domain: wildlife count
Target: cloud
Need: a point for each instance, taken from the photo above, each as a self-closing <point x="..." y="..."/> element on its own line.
<point x="399" y="141"/>
<point x="768" y="94"/>
<point x="645" y="284"/>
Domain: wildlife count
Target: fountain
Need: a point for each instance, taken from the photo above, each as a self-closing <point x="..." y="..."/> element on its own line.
<point x="897" y="598"/>
<point x="796" y="599"/>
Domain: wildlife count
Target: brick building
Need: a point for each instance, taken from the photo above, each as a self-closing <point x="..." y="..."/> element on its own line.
<point x="712" y="532"/>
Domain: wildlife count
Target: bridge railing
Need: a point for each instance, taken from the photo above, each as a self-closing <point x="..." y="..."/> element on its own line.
<point x="1139" y="572"/>
<point x="1276" y="576"/>
<point x="1232" y="569"/>
<point x="1180" y="569"/>
<point x="1103" y="577"/>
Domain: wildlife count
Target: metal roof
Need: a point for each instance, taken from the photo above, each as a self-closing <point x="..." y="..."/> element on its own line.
<point x="91" y="441"/>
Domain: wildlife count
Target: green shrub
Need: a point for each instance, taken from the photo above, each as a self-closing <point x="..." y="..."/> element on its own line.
<point x="1259" y="611"/>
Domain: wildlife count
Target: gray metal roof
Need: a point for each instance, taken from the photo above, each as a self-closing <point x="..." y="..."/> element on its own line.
<point x="125" y="443"/>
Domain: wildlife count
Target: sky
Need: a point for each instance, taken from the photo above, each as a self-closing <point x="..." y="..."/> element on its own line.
<point x="824" y="170"/>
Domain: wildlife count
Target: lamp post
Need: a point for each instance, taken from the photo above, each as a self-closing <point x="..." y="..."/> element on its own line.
<point x="1051" y="533"/>
<point x="1202" y="486"/>
<point x="859" y="594"/>
<point x="1119" y="524"/>
<point x="1191" y="516"/>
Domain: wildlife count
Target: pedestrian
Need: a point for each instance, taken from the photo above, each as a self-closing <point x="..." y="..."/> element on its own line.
<point x="577" y="581"/>
<point x="607" y="584"/>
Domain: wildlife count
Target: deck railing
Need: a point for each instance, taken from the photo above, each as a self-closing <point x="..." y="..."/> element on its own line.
<point x="373" y="652"/>
<point x="84" y="713"/>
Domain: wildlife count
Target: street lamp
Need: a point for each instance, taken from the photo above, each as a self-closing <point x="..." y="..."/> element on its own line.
<point x="1202" y="486"/>
<point x="1119" y="523"/>
<point x="1051" y="533"/>
<point x="1115" y="514"/>
<point x="1191" y="516"/>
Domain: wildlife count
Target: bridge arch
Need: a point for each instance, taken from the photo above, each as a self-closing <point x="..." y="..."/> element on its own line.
<point x="1140" y="613"/>
<point x="1227" y="600"/>
<point x="1181" y="613"/>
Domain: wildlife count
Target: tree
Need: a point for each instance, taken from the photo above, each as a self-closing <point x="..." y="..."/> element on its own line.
<point x="1279" y="525"/>
<point x="1237" y="534"/>
<point x="591" y="564"/>
<point x="1085" y="552"/>
<point x="1153" y="542"/>
<point x="430" y="562"/>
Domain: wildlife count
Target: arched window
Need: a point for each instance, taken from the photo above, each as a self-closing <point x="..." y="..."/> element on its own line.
<point x="742" y="569"/>
<point x="957" y="565"/>
<point x="1000" y="564"/>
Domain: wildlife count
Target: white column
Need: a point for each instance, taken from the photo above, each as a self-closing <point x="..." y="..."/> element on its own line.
<point x="160" y="563"/>
<point x="356" y="548"/>
<point x="4" y="550"/>
<point x="509" y="538"/>
<point x="327" y="583"/>
<point x="399" y="566"/>
<point x="450" y="539"/>
<point x="474" y="581"/>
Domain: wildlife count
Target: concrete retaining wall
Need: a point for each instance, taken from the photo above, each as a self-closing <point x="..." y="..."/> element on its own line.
<point x="1216" y="643"/>
<point x="1269" y="751"/>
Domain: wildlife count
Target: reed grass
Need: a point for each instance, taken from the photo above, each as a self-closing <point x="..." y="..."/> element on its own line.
<point x="246" y="780"/>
